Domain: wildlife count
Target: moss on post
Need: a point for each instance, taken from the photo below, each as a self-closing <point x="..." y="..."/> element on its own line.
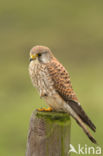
<point x="49" y="134"/>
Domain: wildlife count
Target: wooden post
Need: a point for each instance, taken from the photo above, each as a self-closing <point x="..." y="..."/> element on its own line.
<point x="49" y="134"/>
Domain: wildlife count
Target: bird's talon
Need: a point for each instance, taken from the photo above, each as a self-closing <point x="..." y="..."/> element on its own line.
<point x="45" y="109"/>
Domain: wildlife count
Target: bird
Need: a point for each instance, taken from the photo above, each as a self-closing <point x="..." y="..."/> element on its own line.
<point x="53" y="83"/>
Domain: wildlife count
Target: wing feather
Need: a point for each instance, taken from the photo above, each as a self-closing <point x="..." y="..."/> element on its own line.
<point x="63" y="86"/>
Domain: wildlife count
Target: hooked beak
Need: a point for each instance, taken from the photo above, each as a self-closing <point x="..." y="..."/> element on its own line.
<point x="32" y="57"/>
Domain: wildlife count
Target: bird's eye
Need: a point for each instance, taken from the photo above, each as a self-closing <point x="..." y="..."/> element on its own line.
<point x="39" y="54"/>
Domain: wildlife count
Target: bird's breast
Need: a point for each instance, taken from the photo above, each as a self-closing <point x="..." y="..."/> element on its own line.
<point x="41" y="78"/>
<point x="43" y="82"/>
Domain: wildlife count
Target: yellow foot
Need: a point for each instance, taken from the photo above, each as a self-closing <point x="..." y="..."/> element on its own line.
<point x="45" y="109"/>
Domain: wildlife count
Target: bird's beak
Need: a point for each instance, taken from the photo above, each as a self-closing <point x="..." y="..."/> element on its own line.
<point x="33" y="57"/>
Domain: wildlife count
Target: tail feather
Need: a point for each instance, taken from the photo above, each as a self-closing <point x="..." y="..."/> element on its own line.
<point x="80" y="122"/>
<point x="79" y="110"/>
<point x="86" y="131"/>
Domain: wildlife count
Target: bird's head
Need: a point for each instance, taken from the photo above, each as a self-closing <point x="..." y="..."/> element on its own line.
<point x="41" y="53"/>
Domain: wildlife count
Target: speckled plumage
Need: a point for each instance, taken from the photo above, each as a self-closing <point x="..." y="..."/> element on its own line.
<point x="53" y="83"/>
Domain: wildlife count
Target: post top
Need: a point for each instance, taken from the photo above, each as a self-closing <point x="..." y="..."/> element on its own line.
<point x="59" y="117"/>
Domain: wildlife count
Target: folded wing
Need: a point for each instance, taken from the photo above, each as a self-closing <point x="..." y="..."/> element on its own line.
<point x="63" y="86"/>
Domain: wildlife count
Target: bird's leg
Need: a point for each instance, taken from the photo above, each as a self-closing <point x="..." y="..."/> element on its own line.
<point x="45" y="109"/>
<point x="43" y="95"/>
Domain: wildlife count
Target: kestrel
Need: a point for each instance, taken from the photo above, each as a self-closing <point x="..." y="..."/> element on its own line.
<point x="53" y="83"/>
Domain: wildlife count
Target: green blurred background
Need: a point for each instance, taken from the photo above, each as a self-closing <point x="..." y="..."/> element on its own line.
<point x="73" y="30"/>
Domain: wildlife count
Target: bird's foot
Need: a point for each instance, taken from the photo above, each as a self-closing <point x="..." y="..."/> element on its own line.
<point x="45" y="109"/>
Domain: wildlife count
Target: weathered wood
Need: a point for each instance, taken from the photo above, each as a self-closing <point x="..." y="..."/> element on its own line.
<point x="49" y="134"/>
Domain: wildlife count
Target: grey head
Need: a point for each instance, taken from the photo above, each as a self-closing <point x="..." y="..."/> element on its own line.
<point x="41" y="53"/>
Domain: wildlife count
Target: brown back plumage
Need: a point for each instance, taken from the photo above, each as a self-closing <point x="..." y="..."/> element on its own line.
<point x="63" y="86"/>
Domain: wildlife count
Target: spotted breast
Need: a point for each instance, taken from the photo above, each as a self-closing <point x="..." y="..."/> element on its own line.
<point x="41" y="79"/>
